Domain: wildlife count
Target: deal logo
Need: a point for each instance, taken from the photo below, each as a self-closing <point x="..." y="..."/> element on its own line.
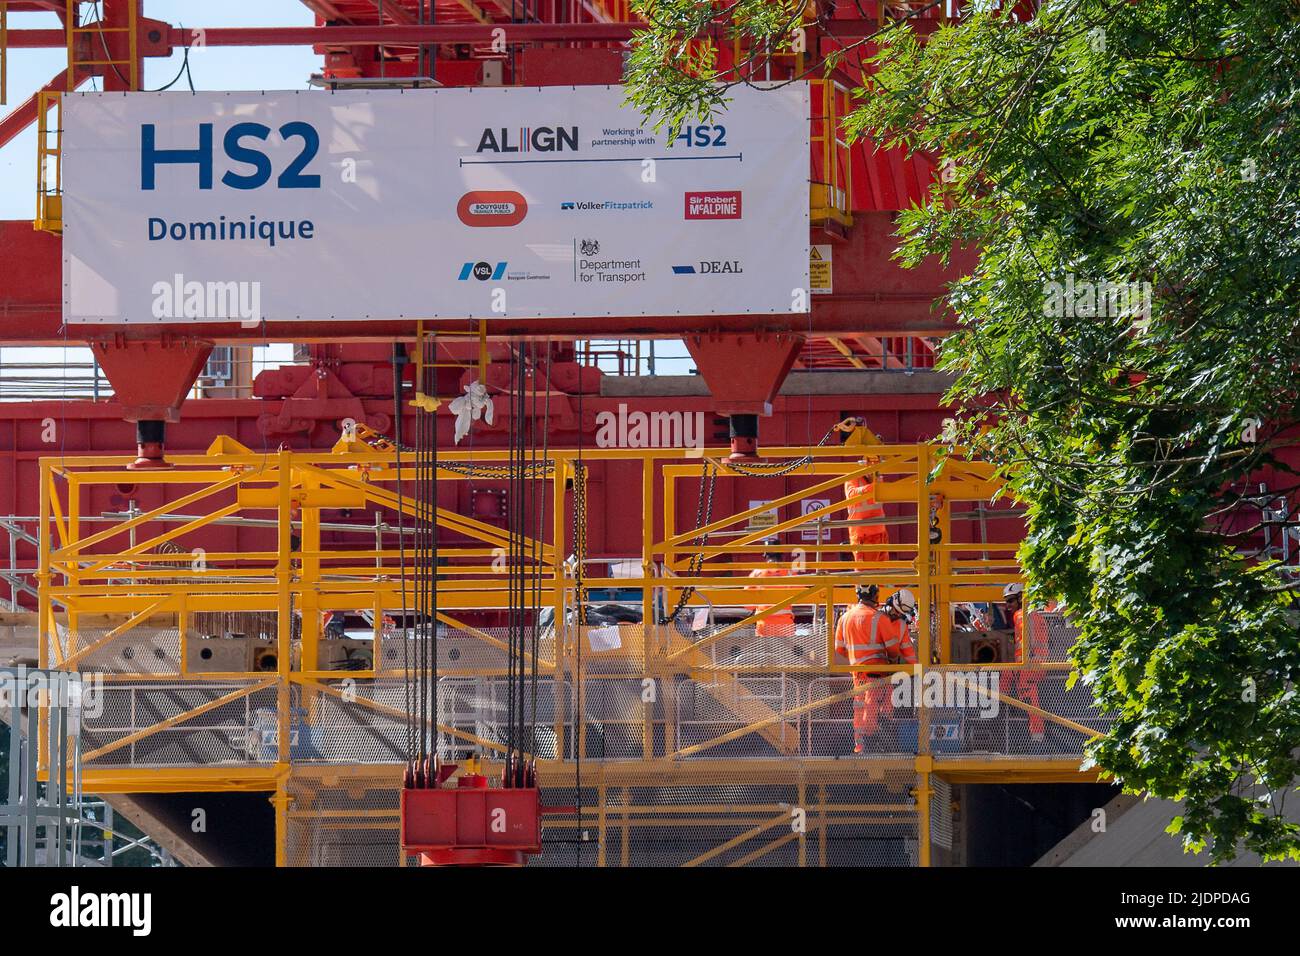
<point x="712" y="267"/>
<point x="487" y="207"/>
<point x="483" y="271"/>
<point x="713" y="205"/>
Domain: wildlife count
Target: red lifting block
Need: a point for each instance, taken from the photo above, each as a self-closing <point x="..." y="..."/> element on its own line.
<point x="472" y="825"/>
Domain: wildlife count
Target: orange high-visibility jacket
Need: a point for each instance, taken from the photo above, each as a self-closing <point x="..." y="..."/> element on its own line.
<point x="1037" y="636"/>
<point x="783" y="618"/>
<point x="866" y="509"/>
<point x="866" y="635"/>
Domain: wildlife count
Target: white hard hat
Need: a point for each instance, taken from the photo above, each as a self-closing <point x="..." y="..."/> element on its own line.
<point x="1013" y="590"/>
<point x="904" y="602"/>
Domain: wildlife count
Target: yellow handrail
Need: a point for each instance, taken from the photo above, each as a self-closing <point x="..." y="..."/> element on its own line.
<point x="49" y="163"/>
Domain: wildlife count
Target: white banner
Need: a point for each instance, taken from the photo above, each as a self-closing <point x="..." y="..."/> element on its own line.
<point x="452" y="203"/>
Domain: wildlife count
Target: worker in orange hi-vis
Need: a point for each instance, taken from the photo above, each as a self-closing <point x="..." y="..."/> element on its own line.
<point x="867" y="634"/>
<point x="864" y="534"/>
<point x="1024" y="683"/>
<point x="780" y="623"/>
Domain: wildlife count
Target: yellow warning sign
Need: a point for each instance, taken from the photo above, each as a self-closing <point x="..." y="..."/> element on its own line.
<point x="819" y="269"/>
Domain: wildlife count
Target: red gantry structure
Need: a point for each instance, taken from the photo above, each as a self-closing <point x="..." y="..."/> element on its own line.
<point x="209" y="564"/>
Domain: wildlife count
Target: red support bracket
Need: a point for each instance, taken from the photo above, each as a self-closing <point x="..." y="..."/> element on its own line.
<point x="744" y="372"/>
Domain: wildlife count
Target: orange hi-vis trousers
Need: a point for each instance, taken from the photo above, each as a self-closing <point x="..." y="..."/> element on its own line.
<point x="870" y="705"/>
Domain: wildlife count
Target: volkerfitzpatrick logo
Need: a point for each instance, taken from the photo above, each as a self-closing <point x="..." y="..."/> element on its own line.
<point x="483" y="271"/>
<point x="607" y="205"/>
<point x="527" y="139"/>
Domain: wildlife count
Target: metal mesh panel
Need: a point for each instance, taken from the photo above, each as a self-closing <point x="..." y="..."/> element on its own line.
<point x="141" y="650"/>
<point x="805" y="646"/>
<point x="940" y="813"/>
<point x="461" y="649"/>
<point x="736" y="821"/>
<point x="333" y="826"/>
<point x="233" y="732"/>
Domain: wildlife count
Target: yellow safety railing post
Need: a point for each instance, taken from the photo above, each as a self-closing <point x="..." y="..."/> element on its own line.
<point x="99" y="34"/>
<point x="49" y="163"/>
<point x="284" y="603"/>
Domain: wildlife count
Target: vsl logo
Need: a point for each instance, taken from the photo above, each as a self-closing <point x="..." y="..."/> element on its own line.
<point x="483" y="271"/>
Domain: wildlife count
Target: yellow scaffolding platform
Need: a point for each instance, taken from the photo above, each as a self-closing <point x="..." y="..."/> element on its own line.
<point x="697" y="739"/>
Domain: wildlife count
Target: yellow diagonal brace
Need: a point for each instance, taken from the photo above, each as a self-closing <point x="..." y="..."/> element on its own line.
<point x="178" y="719"/>
<point x="685" y="537"/>
<point x="796" y="598"/>
<point x="737" y="840"/>
<point x="166" y="536"/>
<point x="749" y="858"/>
<point x="60" y="525"/>
<point x="467" y="526"/>
<point x="77" y="547"/>
<point x="486" y="638"/>
<point x="766" y="722"/>
<point x="395" y="712"/>
<point x="118" y="631"/>
<point x="1088" y="732"/>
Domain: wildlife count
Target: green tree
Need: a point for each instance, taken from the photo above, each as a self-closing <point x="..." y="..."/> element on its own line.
<point x="1152" y="146"/>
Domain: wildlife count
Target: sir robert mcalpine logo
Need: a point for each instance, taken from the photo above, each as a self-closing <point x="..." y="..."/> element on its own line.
<point x="492" y="207"/>
<point x="713" y="205"/>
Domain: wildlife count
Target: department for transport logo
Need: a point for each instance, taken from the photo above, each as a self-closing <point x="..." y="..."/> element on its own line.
<point x="710" y="267"/>
<point x="492" y="207"/>
<point x="589" y="247"/>
<point x="713" y="205"/>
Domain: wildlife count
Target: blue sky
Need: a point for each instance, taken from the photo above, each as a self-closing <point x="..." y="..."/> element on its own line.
<point x="213" y="68"/>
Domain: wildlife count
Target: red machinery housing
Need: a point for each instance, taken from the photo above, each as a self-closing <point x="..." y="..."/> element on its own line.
<point x="471" y="824"/>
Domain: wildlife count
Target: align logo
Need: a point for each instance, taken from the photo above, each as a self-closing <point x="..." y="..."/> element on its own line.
<point x="483" y="271"/>
<point x="487" y="207"/>
<point x="540" y="139"/>
<point x="713" y="205"/>
<point x="710" y="267"/>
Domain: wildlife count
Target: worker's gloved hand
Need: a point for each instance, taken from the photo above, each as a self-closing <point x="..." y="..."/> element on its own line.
<point x="470" y="407"/>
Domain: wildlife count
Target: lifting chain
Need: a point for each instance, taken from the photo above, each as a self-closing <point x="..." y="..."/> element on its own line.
<point x="383" y="443"/>
<point x="538" y="470"/>
<point x="579" y="540"/>
<point x="703" y="515"/>
<point x="778" y="469"/>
